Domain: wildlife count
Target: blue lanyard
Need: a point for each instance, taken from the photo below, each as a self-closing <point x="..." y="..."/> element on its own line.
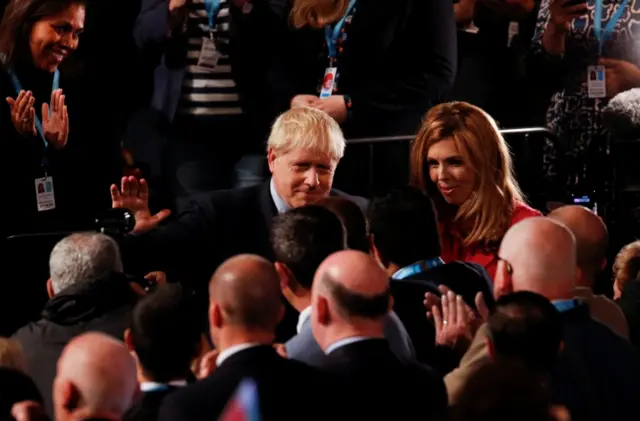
<point x="212" y="6"/>
<point x="415" y="268"/>
<point x="566" y="305"/>
<point x="18" y="87"/>
<point x="603" y="35"/>
<point x="332" y="36"/>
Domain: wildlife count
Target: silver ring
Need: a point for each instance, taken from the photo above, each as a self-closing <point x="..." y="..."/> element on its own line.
<point x="444" y="322"/>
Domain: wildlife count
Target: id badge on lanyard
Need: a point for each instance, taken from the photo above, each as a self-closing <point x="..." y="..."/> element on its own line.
<point x="209" y="54"/>
<point x="596" y="75"/>
<point x="332" y="35"/>
<point x="45" y="198"/>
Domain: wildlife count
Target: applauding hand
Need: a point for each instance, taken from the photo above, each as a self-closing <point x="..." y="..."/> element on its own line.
<point x="135" y="197"/>
<point x="55" y="120"/>
<point x="23" y="115"/>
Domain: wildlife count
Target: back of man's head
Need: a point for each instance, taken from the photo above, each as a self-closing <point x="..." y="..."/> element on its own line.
<point x="350" y="294"/>
<point x="592" y="239"/>
<point x="246" y="289"/>
<point x="352" y="218"/>
<point x="539" y="255"/>
<point x="83" y="257"/>
<point x="164" y="333"/>
<point x="303" y="237"/>
<point x="96" y="377"/>
<point x="526" y="328"/>
<point x="403" y="227"/>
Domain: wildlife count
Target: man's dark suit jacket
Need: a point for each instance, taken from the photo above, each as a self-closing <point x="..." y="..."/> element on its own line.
<point x="382" y="387"/>
<point x="146" y="408"/>
<point x="466" y="279"/>
<point x="214" y="227"/>
<point x="287" y="389"/>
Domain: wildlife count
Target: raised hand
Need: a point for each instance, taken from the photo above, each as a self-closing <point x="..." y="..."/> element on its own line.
<point x="55" y="120"/>
<point x="134" y="195"/>
<point x="562" y="12"/>
<point x="453" y="327"/>
<point x="175" y="5"/>
<point x="23" y="115"/>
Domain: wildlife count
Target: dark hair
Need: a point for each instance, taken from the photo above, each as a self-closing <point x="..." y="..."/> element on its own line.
<point x="526" y="327"/>
<point x="17" y="24"/>
<point x="303" y="237"/>
<point x="404" y="228"/>
<point x="355" y="305"/>
<point x="353" y="219"/>
<point x="502" y="391"/>
<point x="15" y="386"/>
<point x="165" y="332"/>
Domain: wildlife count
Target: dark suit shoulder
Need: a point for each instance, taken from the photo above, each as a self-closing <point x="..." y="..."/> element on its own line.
<point x="146" y="408"/>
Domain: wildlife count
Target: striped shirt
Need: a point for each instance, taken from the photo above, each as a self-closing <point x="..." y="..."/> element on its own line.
<point x="207" y="92"/>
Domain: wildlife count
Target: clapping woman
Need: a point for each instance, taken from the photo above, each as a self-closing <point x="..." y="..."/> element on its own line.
<point x="36" y="37"/>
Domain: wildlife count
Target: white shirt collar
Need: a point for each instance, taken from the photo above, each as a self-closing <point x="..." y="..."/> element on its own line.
<point x="154" y="386"/>
<point x="345" y="342"/>
<point x="302" y="318"/>
<point x="281" y="205"/>
<point x="233" y="350"/>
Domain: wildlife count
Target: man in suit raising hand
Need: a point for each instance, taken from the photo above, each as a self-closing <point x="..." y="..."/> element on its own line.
<point x="304" y="149"/>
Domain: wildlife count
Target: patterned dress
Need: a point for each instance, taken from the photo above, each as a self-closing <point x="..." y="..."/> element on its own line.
<point x="574" y="117"/>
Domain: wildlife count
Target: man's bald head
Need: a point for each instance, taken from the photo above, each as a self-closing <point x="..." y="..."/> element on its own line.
<point x="355" y="283"/>
<point x="592" y="239"/>
<point x="247" y="289"/>
<point x="542" y="255"/>
<point x="96" y="375"/>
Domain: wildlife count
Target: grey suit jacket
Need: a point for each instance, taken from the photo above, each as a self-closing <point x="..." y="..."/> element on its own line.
<point x="303" y="347"/>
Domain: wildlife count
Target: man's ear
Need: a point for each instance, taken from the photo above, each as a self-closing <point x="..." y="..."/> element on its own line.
<point x="284" y="274"/>
<point x="50" y="292"/>
<point x="215" y="315"/>
<point x="322" y="309"/>
<point x="502" y="284"/>
<point x="70" y="396"/>
<point x="271" y="159"/>
<point x="128" y="340"/>
<point x="375" y="252"/>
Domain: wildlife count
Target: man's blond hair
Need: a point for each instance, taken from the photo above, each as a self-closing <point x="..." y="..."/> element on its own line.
<point x="307" y="128"/>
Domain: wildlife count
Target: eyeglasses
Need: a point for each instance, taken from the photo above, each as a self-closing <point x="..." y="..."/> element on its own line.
<point x="507" y="264"/>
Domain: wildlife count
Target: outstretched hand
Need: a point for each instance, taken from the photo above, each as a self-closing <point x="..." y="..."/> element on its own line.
<point x="134" y="195"/>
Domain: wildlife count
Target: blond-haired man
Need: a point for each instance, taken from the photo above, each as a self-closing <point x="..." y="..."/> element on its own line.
<point x="304" y="149"/>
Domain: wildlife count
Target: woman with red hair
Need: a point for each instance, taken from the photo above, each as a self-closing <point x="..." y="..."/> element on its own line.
<point x="460" y="159"/>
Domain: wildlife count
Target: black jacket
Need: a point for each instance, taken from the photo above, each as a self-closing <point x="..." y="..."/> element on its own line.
<point x="399" y="60"/>
<point x="287" y="389"/>
<point x="103" y="306"/>
<point x="381" y="387"/>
